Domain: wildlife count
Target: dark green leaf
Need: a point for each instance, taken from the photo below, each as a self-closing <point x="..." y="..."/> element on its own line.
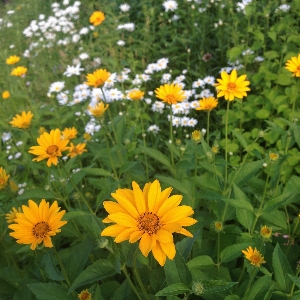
<point x="232" y="252"/>
<point x="49" y="291"/>
<point x="259" y="288"/>
<point x="174" y="289"/>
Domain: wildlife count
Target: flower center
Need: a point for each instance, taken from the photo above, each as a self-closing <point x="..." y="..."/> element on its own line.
<point x="171" y="98"/>
<point x="298" y="68"/>
<point x="99" y="82"/>
<point x="231" y="86"/>
<point x="52" y="149"/>
<point x="40" y="229"/>
<point x="85" y="296"/>
<point x="149" y="222"/>
<point x="255" y="259"/>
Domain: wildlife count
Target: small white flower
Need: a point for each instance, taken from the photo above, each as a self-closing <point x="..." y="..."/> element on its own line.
<point x="121" y="43"/>
<point x="124" y="7"/>
<point x="73" y="70"/>
<point x="170" y="5"/>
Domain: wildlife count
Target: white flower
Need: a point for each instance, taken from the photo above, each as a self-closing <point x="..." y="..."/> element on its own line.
<point x="10" y="12"/>
<point x="83" y="56"/>
<point x="18" y="155"/>
<point x="73" y="70"/>
<point x="126" y="26"/>
<point x="56" y="86"/>
<point x="62" y="98"/>
<point x="6" y="136"/>
<point x="121" y="43"/>
<point x="258" y="59"/>
<point x="124" y="7"/>
<point x="19" y="143"/>
<point x="198" y="83"/>
<point x="283" y="7"/>
<point x="170" y="5"/>
<point x="91" y="127"/>
<point x="158" y="106"/>
<point x="209" y="80"/>
<point x="247" y="52"/>
<point x="75" y="38"/>
<point x="153" y="128"/>
<point x="84" y="30"/>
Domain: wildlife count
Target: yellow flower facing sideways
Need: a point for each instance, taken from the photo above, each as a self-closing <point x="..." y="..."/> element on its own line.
<point x="230" y="86"/>
<point x="22" y="121"/>
<point x="97" y="17"/>
<point x="18" y="71"/>
<point x="13" y="59"/>
<point x="75" y="150"/>
<point x="51" y="146"/>
<point x="170" y="93"/>
<point x="10" y="217"/>
<point x="3" y="178"/>
<point x="69" y="133"/>
<point x="97" y="78"/>
<point x="150" y="215"/>
<point x="207" y="104"/>
<point x="37" y="223"/>
<point x="98" y="110"/>
<point x="254" y="256"/>
<point x="293" y="65"/>
<point x="135" y="95"/>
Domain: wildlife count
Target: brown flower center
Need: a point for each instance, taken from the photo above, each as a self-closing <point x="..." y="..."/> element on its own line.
<point x="41" y="229"/>
<point x="149" y="222"/>
<point x="171" y="98"/>
<point x="255" y="259"/>
<point x="85" y="296"/>
<point x="298" y="68"/>
<point x="99" y="82"/>
<point x="52" y="149"/>
<point x="231" y="85"/>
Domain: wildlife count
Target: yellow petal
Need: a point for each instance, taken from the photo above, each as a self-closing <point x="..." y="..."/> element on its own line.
<point x="159" y="254"/>
<point x="146" y="244"/>
<point x="123" y="219"/>
<point x="168" y="204"/>
<point x="135" y="236"/>
<point x="185" y="232"/>
<point x="169" y="250"/>
<point x="153" y="195"/>
<point x="124" y="235"/>
<point x="177" y="213"/>
<point x="126" y="204"/>
<point x="139" y="198"/>
<point x="164" y="236"/>
<point x="113" y="230"/>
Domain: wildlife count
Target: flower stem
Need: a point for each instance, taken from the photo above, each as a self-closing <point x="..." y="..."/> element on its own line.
<point x="226" y="144"/>
<point x="130" y="282"/>
<point x="253" y="273"/>
<point x="207" y="128"/>
<point x="171" y="135"/>
<point x="62" y="267"/>
<point x="293" y="286"/>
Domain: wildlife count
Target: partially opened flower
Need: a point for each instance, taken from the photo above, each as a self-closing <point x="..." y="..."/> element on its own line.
<point x="231" y="86"/>
<point x="11" y="216"/>
<point x="5" y="95"/>
<point x="22" y="121"/>
<point x="18" y="71"/>
<point x="293" y="65"/>
<point x="266" y="232"/>
<point x="170" y="93"/>
<point x="207" y="104"/>
<point x="97" y="17"/>
<point x="3" y="178"/>
<point x="98" y="110"/>
<point x="75" y="150"/>
<point x="135" y="94"/>
<point x="13" y="59"/>
<point x="149" y="215"/>
<point x="69" y="133"/>
<point x="50" y="147"/>
<point x="37" y="223"/>
<point x="97" y="78"/>
<point x="254" y="256"/>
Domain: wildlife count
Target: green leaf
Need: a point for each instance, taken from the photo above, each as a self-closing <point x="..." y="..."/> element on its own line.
<point x="284" y="79"/>
<point x="36" y="194"/>
<point x="207" y="181"/>
<point x="241" y="139"/>
<point x="49" y="269"/>
<point x="200" y="262"/>
<point x="281" y="269"/>
<point x="96" y="172"/>
<point x="176" y="184"/>
<point x="277" y="218"/>
<point x="295" y="279"/>
<point x="174" y="289"/>
<point x="127" y="166"/>
<point x="259" y="288"/>
<point x="185" y="245"/>
<point x="232" y="252"/>
<point x="239" y="203"/>
<point x="100" y="269"/>
<point x="215" y="286"/>
<point x="49" y="291"/>
<point x="245" y="217"/>
<point x="262" y="114"/>
<point x="74" y="180"/>
<point x="232" y="297"/>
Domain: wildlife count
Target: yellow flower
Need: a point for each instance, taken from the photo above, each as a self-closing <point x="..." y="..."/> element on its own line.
<point x="218" y="226"/>
<point x="293" y="65"/>
<point x="50" y="146"/>
<point x="75" y="150"/>
<point x="231" y="86"/>
<point x="69" y="133"/>
<point x="254" y="256"/>
<point x="207" y="104"/>
<point x="5" y="95"/>
<point x="37" y="224"/>
<point x="85" y="295"/>
<point x="196" y="136"/>
<point x="3" y="178"/>
<point x="273" y="156"/>
<point x="215" y="149"/>
<point x="22" y="121"/>
<point x="97" y="17"/>
<point x="12" y="60"/>
<point x="266" y="232"/>
<point x="18" y="71"/>
<point x="148" y="215"/>
<point x="97" y="78"/>
<point x="10" y="217"/>
<point x="87" y="136"/>
<point x="170" y="93"/>
<point x="42" y="130"/>
<point x="135" y="94"/>
<point x="98" y="110"/>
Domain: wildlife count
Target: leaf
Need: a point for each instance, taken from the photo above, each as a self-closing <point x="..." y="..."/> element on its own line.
<point x="186" y="244"/>
<point x="262" y="114"/>
<point x="96" y="172"/>
<point x="276" y="217"/>
<point x="74" y="180"/>
<point x="245" y="217"/>
<point x="127" y="166"/>
<point x="259" y="288"/>
<point x="207" y="181"/>
<point x="174" y="289"/>
<point x="36" y="194"/>
<point x="232" y="252"/>
<point x="200" y="262"/>
<point x="281" y="269"/>
<point x="239" y="203"/>
<point x="49" y="269"/>
<point x="284" y="79"/>
<point x="100" y="269"/>
<point x="49" y="291"/>
<point x="176" y="184"/>
<point x="241" y="139"/>
<point x="215" y="286"/>
<point x="295" y="279"/>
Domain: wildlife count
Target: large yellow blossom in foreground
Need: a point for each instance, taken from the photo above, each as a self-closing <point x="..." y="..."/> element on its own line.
<point x="231" y="86"/>
<point x="37" y="223"/>
<point x="50" y="146"/>
<point x="22" y="121"/>
<point x="170" y="93"/>
<point x="97" y="78"/>
<point x="149" y="215"/>
<point x="254" y="256"/>
<point x="293" y="65"/>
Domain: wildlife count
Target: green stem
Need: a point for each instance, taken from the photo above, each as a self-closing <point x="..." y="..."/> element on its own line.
<point x="195" y="175"/>
<point x="130" y="282"/>
<point x="62" y="268"/>
<point x="226" y="144"/>
<point x="293" y="286"/>
<point x="253" y="273"/>
<point x="110" y="158"/>
<point x="219" y="247"/>
<point x="207" y="128"/>
<point x="171" y="135"/>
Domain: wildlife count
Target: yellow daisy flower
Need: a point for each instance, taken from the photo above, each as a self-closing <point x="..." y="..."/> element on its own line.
<point x="231" y="86"/>
<point x="3" y="178"/>
<point x="85" y="295"/>
<point x="22" y="121"/>
<point x="75" y="150"/>
<point x="50" y="147"/>
<point x="207" y="104"/>
<point x="10" y="217"/>
<point x="97" y="78"/>
<point x="148" y="215"/>
<point x="273" y="156"/>
<point x="98" y="110"/>
<point x="12" y="60"/>
<point x="293" y="65"/>
<point x="69" y="133"/>
<point x="196" y="136"/>
<point x="255" y="258"/>
<point x="18" y="71"/>
<point x="266" y="232"/>
<point x="97" y="17"/>
<point x="135" y="94"/>
<point x="5" y="95"/>
<point x="37" y="224"/>
<point x="170" y="93"/>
